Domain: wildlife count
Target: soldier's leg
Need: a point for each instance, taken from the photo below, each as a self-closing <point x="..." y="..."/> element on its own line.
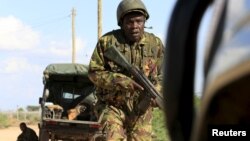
<point x="142" y="129"/>
<point x="113" y="124"/>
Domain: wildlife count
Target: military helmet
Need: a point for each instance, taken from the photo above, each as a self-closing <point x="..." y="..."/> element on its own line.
<point x="127" y="6"/>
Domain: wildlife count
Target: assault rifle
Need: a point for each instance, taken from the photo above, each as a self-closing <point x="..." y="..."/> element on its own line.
<point x="150" y="92"/>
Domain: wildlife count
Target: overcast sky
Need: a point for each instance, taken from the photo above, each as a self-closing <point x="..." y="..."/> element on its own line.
<point x="34" y="34"/>
<point x="37" y="33"/>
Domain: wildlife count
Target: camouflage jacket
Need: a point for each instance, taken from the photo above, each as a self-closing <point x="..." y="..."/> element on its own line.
<point x="147" y="55"/>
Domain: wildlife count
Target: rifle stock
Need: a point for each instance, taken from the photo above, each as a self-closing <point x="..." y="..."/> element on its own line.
<point x="150" y="92"/>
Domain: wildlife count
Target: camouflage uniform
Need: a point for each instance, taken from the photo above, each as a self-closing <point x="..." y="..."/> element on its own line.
<point x="120" y="119"/>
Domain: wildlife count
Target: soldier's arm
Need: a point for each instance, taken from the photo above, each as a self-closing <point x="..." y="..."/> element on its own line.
<point x="103" y="77"/>
<point x="158" y="77"/>
<point x="160" y="65"/>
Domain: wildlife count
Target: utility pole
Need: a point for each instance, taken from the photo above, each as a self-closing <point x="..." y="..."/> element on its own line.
<point x="73" y="35"/>
<point x="17" y="113"/>
<point x="99" y="18"/>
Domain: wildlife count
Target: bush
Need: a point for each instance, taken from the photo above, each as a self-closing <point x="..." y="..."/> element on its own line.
<point x="4" y="122"/>
<point x="33" y="118"/>
<point x="159" y="126"/>
<point x="8" y="119"/>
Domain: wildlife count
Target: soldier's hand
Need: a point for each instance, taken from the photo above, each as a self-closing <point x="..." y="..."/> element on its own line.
<point x="128" y="84"/>
<point x="136" y="86"/>
<point x="154" y="103"/>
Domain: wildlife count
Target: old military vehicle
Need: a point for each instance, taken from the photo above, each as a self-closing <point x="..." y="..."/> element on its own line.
<point x="68" y="104"/>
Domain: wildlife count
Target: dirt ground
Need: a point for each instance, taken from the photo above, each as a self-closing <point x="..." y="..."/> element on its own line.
<point x="11" y="133"/>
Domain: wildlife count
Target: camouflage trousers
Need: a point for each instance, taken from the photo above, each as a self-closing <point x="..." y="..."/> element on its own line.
<point x="119" y="126"/>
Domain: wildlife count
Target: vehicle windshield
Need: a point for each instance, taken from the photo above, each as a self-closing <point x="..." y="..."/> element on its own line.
<point x="70" y="96"/>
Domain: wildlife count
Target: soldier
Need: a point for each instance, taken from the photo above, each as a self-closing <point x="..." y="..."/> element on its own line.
<point x="27" y="134"/>
<point x="115" y="86"/>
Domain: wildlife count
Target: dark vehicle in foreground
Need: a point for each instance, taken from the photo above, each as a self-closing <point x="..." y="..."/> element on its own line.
<point x="68" y="105"/>
<point x="225" y="102"/>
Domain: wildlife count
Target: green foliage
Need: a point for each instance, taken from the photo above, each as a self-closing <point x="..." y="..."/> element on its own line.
<point x="4" y="123"/>
<point x="197" y="101"/>
<point x="33" y="118"/>
<point x="14" y="118"/>
<point x="32" y="108"/>
<point x="159" y="126"/>
<point x="20" y="109"/>
<point x="159" y="122"/>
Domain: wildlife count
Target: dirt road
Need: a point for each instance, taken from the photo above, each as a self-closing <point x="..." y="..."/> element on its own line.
<point x="11" y="133"/>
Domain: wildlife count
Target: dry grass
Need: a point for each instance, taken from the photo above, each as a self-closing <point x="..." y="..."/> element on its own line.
<point x="11" y="133"/>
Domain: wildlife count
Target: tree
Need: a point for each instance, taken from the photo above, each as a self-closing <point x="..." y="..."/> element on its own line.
<point x="31" y="108"/>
